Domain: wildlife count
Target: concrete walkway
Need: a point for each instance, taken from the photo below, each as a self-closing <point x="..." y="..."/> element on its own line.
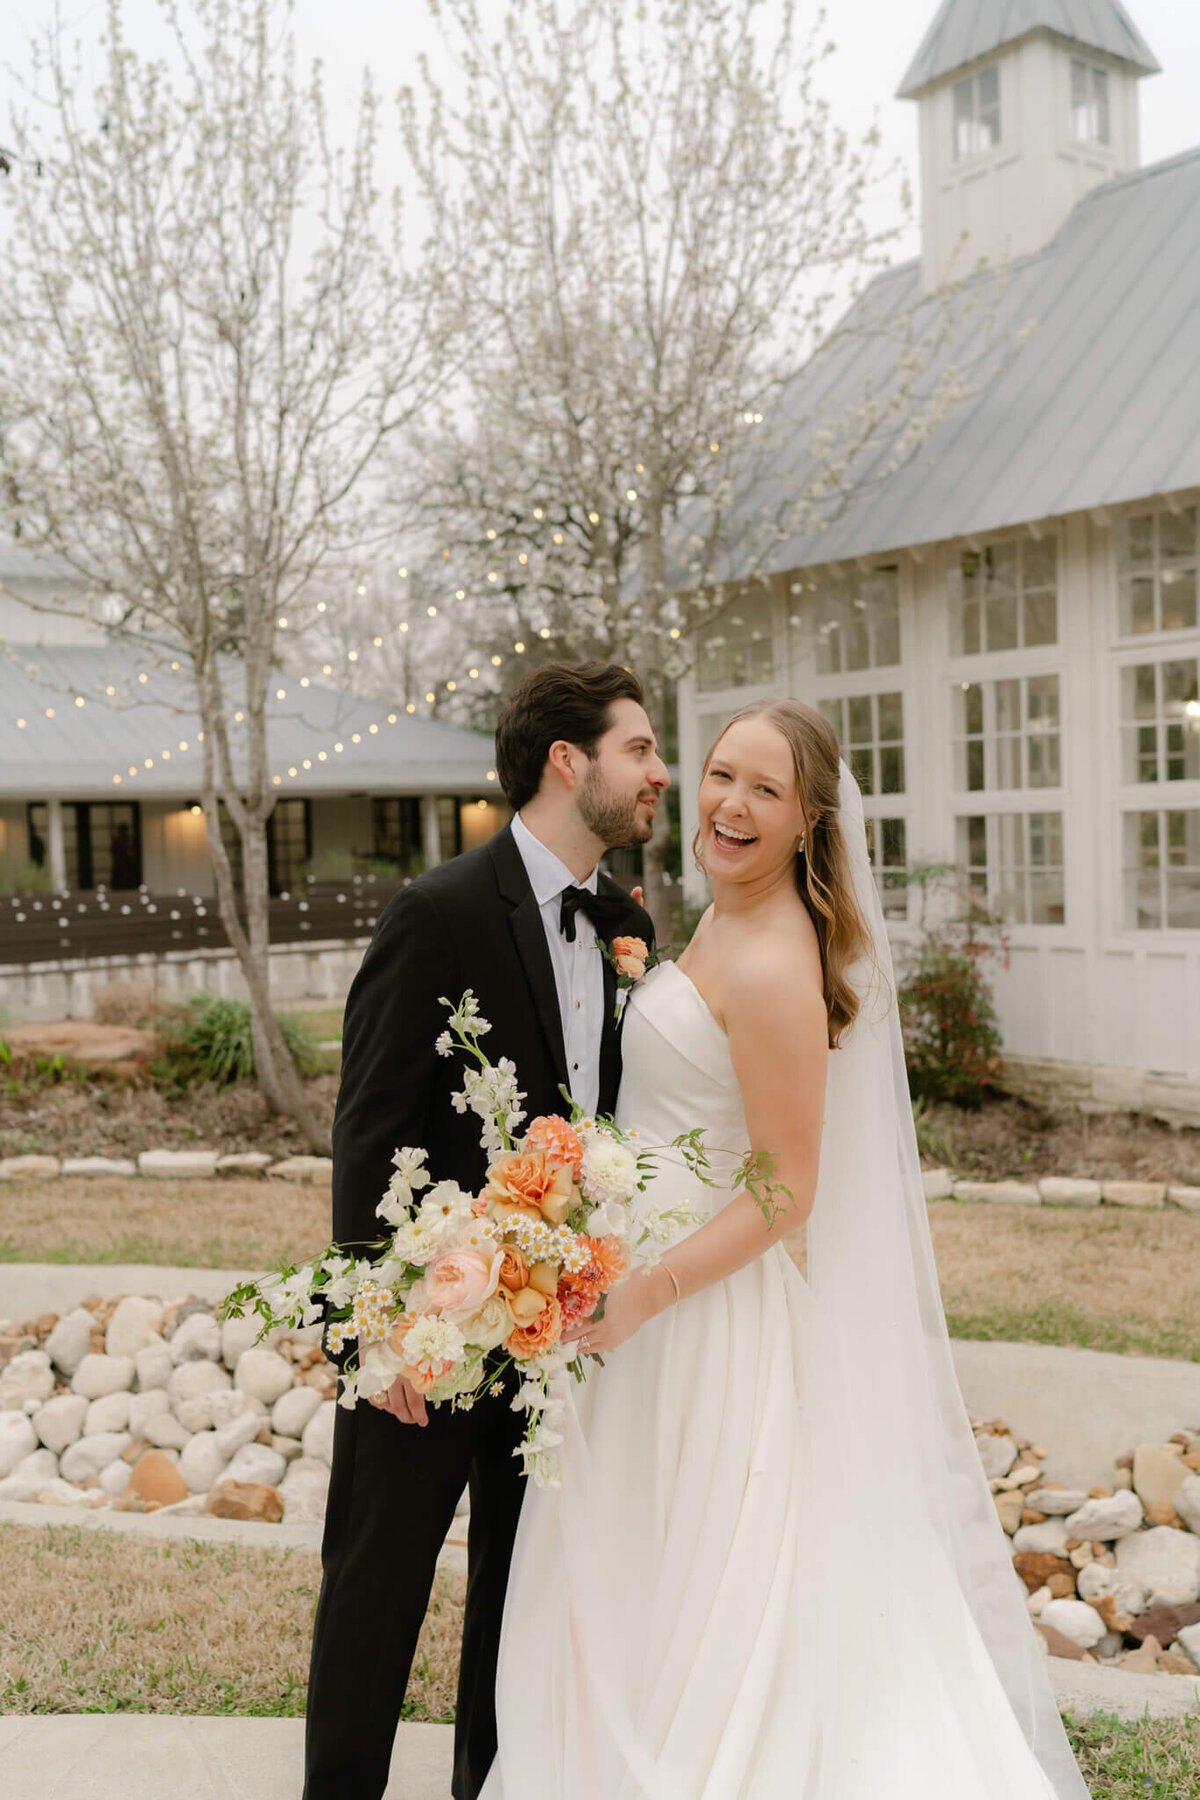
<point x="139" y="1756"/>
<point x="163" y="1756"/>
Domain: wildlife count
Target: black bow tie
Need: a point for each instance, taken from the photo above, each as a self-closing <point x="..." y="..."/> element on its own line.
<point x="606" y="911"/>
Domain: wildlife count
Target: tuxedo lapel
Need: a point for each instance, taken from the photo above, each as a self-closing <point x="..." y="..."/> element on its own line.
<point x="610" y="1041"/>
<point x="529" y="936"/>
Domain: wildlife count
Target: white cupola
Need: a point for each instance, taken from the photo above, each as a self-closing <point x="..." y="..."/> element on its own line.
<point x="1024" y="106"/>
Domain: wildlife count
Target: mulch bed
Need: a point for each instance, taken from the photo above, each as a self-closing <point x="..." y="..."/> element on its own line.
<point x="1008" y="1137"/>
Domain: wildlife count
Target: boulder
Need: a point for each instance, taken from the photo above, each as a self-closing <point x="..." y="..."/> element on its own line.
<point x="201" y="1463"/>
<point x="293" y="1410"/>
<point x="98" y="1375"/>
<point x="1164" y="1622"/>
<point x="240" y="1335"/>
<point x="110" y="1413"/>
<point x="235" y="1405"/>
<point x="1143" y="1194"/>
<point x="1060" y="1190"/>
<point x="145" y="1406"/>
<point x="312" y="1171"/>
<point x="1186" y="1197"/>
<point x="96" y="1166"/>
<point x="1037" y="1568"/>
<point x="1098" y="1581"/>
<point x="1048" y="1538"/>
<point x="264" y="1374"/>
<point x="38" y="1467"/>
<point x="60" y="1421"/>
<point x="1186" y="1500"/>
<point x="198" y="1339"/>
<point x="164" y="1431"/>
<point x="91" y="1454"/>
<point x="317" y="1436"/>
<point x="1105" y="1519"/>
<point x="1164" y="1562"/>
<point x="1058" y="1644"/>
<point x="71" y="1339"/>
<point x="29" y="1168"/>
<point x="250" y="1500"/>
<point x="1145" y="1660"/>
<point x="155" y="1478"/>
<point x="1057" y="1502"/>
<point x="997" y="1454"/>
<point x="196" y="1382"/>
<point x="304" y="1489"/>
<point x="178" y="1165"/>
<point x="28" y="1376"/>
<point x="257" y="1464"/>
<point x="238" y="1432"/>
<point x="244" y="1162"/>
<point x="154" y="1365"/>
<point x="135" y="1323"/>
<point x="1076" y="1620"/>
<point x="1157" y="1475"/>
<point x="1189" y="1637"/>
<point x="115" y="1478"/>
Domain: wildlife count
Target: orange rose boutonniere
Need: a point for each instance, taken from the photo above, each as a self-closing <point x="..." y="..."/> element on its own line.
<point x="631" y="959"/>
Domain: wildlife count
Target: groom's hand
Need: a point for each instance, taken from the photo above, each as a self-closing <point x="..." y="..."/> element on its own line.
<point x="403" y="1402"/>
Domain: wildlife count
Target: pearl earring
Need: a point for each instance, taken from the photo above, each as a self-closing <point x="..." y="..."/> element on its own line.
<point x="800" y="845"/>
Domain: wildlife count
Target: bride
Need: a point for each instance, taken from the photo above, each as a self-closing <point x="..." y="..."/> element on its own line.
<point x="774" y="1570"/>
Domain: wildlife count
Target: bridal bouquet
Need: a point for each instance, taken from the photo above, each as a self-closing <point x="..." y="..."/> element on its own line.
<point x="467" y="1286"/>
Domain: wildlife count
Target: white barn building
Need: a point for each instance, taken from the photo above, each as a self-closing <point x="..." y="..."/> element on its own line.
<point x="1005" y="632"/>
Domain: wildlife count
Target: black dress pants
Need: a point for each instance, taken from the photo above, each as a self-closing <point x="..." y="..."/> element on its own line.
<point x="392" y="1494"/>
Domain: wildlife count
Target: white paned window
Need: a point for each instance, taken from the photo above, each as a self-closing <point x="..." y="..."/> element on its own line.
<point x="1160" y="721"/>
<point x="1162" y="869"/>
<point x="1008" y="734"/>
<point x="976" y="114"/>
<point x="870" y="729"/>
<point x="1014" y="862"/>
<point x="1004" y="597"/>
<point x="1089" y="103"/>
<point x="887" y="844"/>
<point x="736" y="649"/>
<point x="1157" y="561"/>
<point x="857" y="621"/>
<point x="711" y="725"/>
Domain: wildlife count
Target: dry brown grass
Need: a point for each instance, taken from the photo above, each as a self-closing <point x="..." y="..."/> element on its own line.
<point x="1104" y="1278"/>
<point x="101" y="1621"/>
<point x="221" y="1224"/>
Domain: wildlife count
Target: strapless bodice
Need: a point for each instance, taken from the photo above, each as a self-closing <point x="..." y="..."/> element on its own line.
<point x="677" y="1070"/>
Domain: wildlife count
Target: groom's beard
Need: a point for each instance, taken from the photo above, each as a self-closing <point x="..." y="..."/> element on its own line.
<point x="609" y="816"/>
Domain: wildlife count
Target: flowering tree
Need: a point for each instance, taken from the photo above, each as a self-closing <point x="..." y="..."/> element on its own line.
<point x="209" y="335"/>
<point x="656" y="214"/>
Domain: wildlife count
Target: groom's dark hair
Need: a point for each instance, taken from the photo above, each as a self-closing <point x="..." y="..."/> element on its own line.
<point x="557" y="700"/>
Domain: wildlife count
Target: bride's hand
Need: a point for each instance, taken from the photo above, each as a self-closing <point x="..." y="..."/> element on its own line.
<point x="626" y="1309"/>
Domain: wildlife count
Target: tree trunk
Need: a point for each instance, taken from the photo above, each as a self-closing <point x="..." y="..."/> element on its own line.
<point x="657" y="896"/>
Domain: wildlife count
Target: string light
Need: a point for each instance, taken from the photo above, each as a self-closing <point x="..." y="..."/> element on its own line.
<point x="79" y="700"/>
<point x="631" y="493"/>
<point x="49" y="712"/>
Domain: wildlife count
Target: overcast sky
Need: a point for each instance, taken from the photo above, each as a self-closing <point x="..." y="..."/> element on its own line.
<point x="875" y="40"/>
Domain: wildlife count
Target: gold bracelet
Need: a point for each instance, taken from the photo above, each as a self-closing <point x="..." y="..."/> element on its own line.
<point x="668" y="1270"/>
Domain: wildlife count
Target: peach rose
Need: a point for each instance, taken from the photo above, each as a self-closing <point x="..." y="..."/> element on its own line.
<point x="526" y="1306"/>
<point x="514" y="1268"/>
<point x="539" y="1334"/>
<point x="461" y="1280"/>
<point x="544" y="1277"/>
<point x="558" y="1139"/>
<point x="527" y="1181"/>
<point x="630" y="955"/>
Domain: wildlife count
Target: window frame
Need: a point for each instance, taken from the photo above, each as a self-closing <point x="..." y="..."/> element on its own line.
<point x="1163" y="929"/>
<point x="994" y="871"/>
<point x="992" y="737"/>
<point x="956" y="603"/>
<point x="975" y="151"/>
<point x="1128" y="640"/>
<point x="1093" y="72"/>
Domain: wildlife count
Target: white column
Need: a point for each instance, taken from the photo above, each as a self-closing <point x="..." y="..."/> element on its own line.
<point x="55" y="846"/>
<point x="431" y="836"/>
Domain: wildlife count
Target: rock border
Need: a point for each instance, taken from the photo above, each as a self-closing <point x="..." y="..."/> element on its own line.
<point x="1061" y="1190"/>
<point x="172" y="1165"/>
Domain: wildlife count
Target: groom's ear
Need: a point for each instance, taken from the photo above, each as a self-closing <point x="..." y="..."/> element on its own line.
<point x="563" y="761"/>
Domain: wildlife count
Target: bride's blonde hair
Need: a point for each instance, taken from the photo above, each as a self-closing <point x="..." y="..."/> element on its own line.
<point x="823" y="876"/>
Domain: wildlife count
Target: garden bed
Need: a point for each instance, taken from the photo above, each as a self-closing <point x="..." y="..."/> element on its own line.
<point x="1011" y="1138"/>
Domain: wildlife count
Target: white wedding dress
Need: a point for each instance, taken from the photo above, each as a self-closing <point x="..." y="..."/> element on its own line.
<point x="774" y="1570"/>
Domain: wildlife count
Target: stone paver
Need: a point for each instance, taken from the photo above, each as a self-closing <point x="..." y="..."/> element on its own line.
<point x="98" y="1165"/>
<point x="1143" y="1194"/>
<point x="1060" y="1190"/>
<point x="178" y="1165"/>
<point x="1003" y="1193"/>
<point x="146" y="1756"/>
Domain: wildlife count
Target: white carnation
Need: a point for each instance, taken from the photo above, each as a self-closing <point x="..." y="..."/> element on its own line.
<point x="431" y="1341"/>
<point x="610" y="1173"/>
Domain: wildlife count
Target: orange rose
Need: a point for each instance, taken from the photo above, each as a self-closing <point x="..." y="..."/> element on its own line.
<point x="559" y="1140"/>
<point x="526" y="1305"/>
<point x="539" y="1334"/>
<point x="544" y="1277"/>
<point x="514" y="1269"/>
<point x="527" y="1181"/>
<point x="630" y="955"/>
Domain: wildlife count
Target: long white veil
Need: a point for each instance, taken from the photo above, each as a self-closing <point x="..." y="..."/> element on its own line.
<point x="903" y="1517"/>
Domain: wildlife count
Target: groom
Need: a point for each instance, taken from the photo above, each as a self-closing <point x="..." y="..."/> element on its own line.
<point x="513" y="921"/>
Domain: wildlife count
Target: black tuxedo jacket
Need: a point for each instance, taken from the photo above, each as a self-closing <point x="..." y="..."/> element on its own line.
<point x="470" y="923"/>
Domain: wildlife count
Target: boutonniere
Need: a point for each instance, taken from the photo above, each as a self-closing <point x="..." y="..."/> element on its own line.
<point x="631" y="959"/>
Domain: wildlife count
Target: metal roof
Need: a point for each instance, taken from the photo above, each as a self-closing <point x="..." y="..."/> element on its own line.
<point x="966" y="29"/>
<point x="1099" y="406"/>
<point x="75" y="754"/>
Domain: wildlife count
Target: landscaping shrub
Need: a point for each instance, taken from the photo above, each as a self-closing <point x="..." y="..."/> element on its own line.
<point x="952" y="1038"/>
<point x="209" y="1039"/>
<point x="122" y="1002"/>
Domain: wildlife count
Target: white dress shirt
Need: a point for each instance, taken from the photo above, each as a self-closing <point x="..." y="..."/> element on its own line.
<point x="578" y="967"/>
